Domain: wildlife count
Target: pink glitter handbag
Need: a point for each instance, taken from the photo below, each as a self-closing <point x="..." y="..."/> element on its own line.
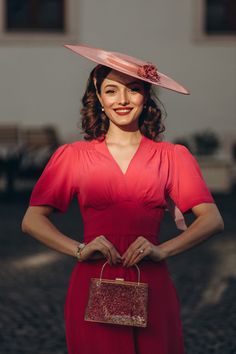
<point x="117" y="301"/>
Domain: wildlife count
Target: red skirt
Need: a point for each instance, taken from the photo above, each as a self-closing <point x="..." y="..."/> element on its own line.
<point x="163" y="335"/>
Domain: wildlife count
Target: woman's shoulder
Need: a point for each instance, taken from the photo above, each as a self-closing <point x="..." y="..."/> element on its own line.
<point x="82" y="145"/>
<point x="166" y="148"/>
<point x="74" y="147"/>
<point x="166" y="145"/>
<point x="69" y="153"/>
<point x="161" y="145"/>
<point x="70" y="150"/>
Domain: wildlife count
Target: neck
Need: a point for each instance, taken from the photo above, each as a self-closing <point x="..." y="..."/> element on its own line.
<point x="122" y="136"/>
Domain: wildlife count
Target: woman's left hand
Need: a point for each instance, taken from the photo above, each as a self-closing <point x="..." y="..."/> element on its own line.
<point x="139" y="249"/>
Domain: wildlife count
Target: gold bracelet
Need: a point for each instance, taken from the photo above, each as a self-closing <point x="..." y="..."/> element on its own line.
<point x="79" y="248"/>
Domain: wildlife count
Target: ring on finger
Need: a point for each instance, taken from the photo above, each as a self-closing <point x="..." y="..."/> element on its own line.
<point x="141" y="250"/>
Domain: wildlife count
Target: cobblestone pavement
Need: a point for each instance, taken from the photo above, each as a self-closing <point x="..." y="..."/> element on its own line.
<point x="33" y="283"/>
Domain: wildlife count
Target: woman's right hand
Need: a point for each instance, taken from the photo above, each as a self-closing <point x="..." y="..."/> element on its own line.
<point x="102" y="245"/>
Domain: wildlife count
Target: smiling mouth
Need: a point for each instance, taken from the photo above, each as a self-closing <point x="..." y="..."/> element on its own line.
<point x="123" y="111"/>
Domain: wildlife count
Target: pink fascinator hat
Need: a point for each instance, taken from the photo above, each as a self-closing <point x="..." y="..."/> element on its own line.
<point x="128" y="65"/>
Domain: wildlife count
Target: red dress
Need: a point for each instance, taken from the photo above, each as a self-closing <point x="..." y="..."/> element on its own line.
<point x="121" y="207"/>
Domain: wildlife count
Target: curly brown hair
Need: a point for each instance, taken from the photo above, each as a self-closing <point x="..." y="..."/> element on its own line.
<point x="95" y="123"/>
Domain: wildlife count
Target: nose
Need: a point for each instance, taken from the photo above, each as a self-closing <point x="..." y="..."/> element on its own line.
<point x="124" y="98"/>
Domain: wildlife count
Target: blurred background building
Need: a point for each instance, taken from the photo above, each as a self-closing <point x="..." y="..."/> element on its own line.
<point x="42" y="83"/>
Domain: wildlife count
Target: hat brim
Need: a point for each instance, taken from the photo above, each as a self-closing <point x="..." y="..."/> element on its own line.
<point x="127" y="65"/>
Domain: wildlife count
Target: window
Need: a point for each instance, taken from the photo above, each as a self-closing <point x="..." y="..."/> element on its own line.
<point x="216" y="19"/>
<point x="40" y="20"/>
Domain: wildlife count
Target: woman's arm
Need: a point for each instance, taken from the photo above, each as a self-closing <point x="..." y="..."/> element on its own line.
<point x="208" y="222"/>
<point x="36" y="223"/>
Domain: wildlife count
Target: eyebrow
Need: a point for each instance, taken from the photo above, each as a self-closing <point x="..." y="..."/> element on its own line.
<point x="128" y="84"/>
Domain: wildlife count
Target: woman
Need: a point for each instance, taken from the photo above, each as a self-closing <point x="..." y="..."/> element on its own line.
<point x="123" y="177"/>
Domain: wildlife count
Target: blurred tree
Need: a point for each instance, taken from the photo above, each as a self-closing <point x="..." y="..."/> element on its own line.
<point x="206" y="142"/>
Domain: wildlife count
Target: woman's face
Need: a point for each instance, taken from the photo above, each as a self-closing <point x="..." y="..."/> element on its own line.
<point x="122" y="98"/>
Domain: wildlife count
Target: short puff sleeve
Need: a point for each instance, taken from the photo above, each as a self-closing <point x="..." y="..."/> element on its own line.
<point x="57" y="185"/>
<point x="187" y="187"/>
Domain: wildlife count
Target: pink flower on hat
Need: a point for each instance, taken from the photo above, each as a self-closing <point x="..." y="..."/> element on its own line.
<point x="149" y="71"/>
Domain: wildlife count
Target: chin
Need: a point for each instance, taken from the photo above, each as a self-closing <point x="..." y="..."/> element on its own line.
<point x="126" y="124"/>
<point x="125" y="121"/>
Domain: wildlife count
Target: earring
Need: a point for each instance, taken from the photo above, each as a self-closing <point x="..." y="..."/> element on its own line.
<point x="102" y="109"/>
<point x="145" y="106"/>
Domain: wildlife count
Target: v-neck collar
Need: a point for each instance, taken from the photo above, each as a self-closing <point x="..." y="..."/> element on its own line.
<point x="102" y="147"/>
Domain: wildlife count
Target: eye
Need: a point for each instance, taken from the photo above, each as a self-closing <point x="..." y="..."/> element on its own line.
<point x="135" y="89"/>
<point x="110" y="92"/>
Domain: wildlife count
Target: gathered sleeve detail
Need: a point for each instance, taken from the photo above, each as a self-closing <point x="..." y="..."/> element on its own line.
<point x="186" y="187"/>
<point x="58" y="182"/>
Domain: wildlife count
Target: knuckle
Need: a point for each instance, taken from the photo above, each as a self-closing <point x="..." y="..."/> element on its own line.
<point x="98" y="239"/>
<point x="103" y="249"/>
<point x="106" y="252"/>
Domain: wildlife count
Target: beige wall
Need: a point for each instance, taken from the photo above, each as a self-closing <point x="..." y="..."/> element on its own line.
<point x="44" y="83"/>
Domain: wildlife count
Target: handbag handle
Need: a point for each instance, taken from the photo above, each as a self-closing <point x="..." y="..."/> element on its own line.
<point x="137" y="267"/>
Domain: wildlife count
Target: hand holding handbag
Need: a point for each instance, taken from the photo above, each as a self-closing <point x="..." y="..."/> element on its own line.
<point x="117" y="301"/>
